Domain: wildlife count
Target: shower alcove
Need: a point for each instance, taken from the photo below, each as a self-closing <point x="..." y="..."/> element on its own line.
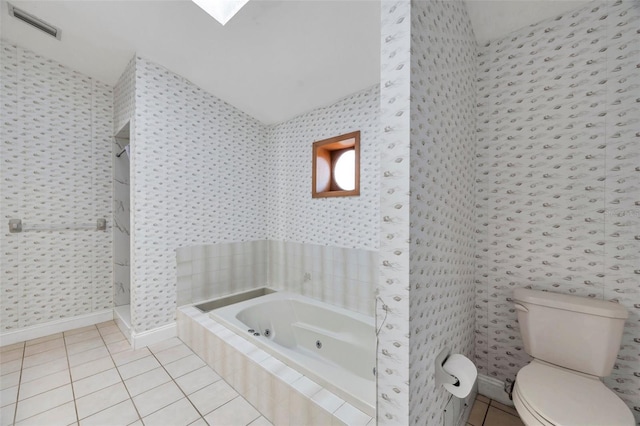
<point x="122" y="232"/>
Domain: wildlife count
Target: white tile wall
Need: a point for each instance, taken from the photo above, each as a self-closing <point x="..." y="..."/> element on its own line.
<point x="56" y="154"/>
<point x="335" y="275"/>
<point x="281" y="394"/>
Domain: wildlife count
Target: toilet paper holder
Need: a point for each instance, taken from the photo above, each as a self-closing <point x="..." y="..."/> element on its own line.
<point x="442" y="376"/>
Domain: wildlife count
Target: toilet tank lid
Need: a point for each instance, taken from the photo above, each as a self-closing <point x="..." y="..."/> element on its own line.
<point x="567" y="302"/>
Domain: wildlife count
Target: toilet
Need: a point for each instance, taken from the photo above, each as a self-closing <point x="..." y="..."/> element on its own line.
<point x="574" y="342"/>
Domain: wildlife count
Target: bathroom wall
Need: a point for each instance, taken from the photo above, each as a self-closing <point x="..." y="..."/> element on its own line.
<point x="199" y="177"/>
<point x="442" y="264"/>
<point x="557" y="198"/>
<point x="325" y="248"/>
<point x="427" y="188"/>
<point x="294" y="216"/>
<point x="56" y="169"/>
<point x="392" y="309"/>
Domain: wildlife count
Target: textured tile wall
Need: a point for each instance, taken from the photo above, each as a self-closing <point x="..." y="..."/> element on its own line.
<point x="56" y="169"/>
<point x="558" y="191"/>
<point x="442" y="265"/>
<point x="293" y="215"/>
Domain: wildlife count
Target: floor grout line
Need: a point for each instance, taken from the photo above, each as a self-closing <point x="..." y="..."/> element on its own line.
<point x="73" y="391"/>
<point x="122" y="381"/>
<point x="176" y="383"/>
<point x="15" y="409"/>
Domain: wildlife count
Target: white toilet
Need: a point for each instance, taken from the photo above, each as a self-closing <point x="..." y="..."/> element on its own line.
<point x="574" y="342"/>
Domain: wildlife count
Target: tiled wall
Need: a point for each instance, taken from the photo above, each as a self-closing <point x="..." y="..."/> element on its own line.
<point x="442" y="265"/>
<point x="199" y="177"/>
<point x="558" y="192"/>
<point x="351" y="222"/>
<point x="56" y="169"/>
<point x="207" y="174"/>
<point x="336" y="275"/>
<point x="215" y="270"/>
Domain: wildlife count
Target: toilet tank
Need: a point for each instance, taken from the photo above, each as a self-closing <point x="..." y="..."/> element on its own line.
<point x="573" y="332"/>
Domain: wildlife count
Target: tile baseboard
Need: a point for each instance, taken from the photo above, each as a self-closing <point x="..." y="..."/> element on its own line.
<point x="53" y="327"/>
<point x="493" y="389"/>
<point x="149" y="337"/>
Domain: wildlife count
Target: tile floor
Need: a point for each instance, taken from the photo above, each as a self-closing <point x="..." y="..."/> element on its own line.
<point x="90" y="376"/>
<point x="487" y="412"/>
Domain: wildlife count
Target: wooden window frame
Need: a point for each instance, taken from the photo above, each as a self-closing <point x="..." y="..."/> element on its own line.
<point x="329" y="150"/>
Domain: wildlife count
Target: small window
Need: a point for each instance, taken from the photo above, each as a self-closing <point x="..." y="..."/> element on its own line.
<point x="336" y="166"/>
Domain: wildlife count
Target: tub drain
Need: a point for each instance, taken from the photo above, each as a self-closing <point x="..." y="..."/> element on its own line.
<point x="318" y="344"/>
<point x="267" y="332"/>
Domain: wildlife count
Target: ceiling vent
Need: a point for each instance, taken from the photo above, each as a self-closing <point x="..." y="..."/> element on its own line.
<point x="34" y="22"/>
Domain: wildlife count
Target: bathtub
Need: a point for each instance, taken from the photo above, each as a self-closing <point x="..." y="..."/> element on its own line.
<point x="332" y="346"/>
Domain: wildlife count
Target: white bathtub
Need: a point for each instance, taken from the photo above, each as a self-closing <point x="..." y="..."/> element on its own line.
<point x="290" y="326"/>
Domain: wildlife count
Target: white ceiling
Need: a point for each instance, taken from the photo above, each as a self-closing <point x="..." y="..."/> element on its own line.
<point x="493" y="19"/>
<point x="273" y="60"/>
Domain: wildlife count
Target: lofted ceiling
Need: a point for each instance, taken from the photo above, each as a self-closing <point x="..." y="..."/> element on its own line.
<point x="273" y="60"/>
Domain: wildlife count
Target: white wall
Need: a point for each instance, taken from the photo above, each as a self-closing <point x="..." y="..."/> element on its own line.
<point x="56" y="169"/>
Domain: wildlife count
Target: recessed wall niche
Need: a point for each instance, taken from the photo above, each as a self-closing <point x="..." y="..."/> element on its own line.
<point x="336" y="166"/>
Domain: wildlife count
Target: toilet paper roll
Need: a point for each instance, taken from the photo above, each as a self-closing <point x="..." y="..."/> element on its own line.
<point x="464" y="370"/>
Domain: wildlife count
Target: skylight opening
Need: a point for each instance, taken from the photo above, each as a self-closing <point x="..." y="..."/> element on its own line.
<point x="221" y="10"/>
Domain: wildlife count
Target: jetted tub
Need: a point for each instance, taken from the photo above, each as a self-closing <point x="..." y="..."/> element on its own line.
<point x="332" y="346"/>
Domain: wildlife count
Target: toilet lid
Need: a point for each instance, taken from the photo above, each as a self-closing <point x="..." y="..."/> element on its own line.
<point x="566" y="398"/>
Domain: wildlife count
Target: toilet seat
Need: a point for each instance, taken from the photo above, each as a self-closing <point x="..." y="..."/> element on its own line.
<point x="549" y="395"/>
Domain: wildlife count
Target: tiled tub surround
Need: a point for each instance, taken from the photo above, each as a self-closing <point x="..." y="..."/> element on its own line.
<point x="280" y="393"/>
<point x="338" y="276"/>
<point x="211" y="271"/>
<point x="332" y="346"/>
<point x="335" y="275"/>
